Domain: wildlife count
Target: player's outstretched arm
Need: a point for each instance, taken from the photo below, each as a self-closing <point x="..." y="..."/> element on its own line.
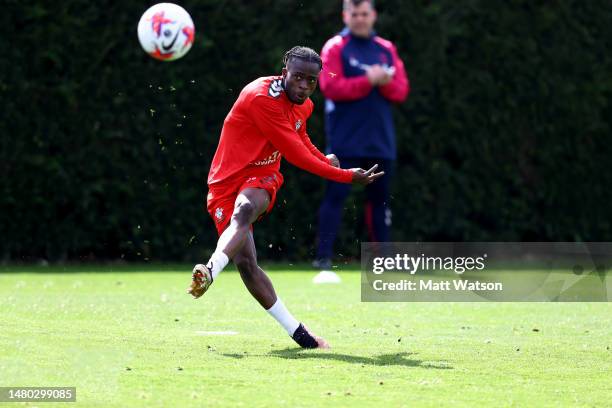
<point x="313" y="149"/>
<point x="363" y="177"/>
<point x="333" y="160"/>
<point x="271" y="120"/>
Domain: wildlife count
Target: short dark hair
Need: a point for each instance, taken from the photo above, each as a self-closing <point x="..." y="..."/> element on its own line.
<point x="304" y="54"/>
<point x="355" y="3"/>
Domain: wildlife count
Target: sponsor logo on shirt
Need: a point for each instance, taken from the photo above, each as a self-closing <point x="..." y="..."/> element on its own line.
<point x="276" y="87"/>
<point x="268" y="160"/>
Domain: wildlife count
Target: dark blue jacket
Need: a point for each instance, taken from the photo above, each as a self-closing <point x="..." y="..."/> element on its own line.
<point x="359" y="120"/>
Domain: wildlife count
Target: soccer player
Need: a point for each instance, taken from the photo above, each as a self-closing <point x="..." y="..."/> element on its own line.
<point x="267" y="122"/>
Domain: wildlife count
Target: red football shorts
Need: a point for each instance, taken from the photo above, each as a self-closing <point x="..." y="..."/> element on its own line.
<point x="222" y="196"/>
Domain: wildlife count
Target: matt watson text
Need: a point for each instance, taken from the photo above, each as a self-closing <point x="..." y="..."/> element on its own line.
<point x="437" y="286"/>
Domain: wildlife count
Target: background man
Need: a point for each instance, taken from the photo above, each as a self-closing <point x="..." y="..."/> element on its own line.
<point x="362" y="77"/>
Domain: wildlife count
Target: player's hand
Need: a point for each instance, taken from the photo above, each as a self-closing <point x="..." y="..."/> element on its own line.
<point x="363" y="177"/>
<point x="333" y="160"/>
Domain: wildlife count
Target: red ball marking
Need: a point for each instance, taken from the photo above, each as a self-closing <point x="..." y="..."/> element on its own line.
<point x="190" y="34"/>
<point x="157" y="54"/>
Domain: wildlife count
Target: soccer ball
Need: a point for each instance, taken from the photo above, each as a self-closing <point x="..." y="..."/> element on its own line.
<point x="166" y="31"/>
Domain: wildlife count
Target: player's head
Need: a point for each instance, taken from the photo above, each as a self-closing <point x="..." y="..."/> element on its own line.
<point x="359" y="16"/>
<point x="301" y="73"/>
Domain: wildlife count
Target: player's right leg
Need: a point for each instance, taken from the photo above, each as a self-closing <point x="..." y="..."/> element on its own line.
<point x="249" y="205"/>
<point x="260" y="286"/>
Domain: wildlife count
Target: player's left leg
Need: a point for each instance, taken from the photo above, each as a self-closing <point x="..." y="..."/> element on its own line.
<point x="259" y="285"/>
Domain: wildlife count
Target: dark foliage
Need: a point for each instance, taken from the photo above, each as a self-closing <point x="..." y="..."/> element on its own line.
<point x="104" y="151"/>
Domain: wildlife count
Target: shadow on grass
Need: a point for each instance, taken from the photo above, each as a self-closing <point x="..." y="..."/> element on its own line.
<point x="392" y="359"/>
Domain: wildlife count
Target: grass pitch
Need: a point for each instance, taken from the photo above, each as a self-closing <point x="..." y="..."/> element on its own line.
<point x="132" y="337"/>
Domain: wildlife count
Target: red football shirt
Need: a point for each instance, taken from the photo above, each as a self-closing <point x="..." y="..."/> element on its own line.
<point x="264" y="125"/>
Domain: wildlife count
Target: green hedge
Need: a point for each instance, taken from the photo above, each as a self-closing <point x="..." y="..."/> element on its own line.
<point x="104" y="151"/>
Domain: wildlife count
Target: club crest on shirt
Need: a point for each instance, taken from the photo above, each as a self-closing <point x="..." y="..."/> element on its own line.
<point x="298" y="124"/>
<point x="219" y="214"/>
<point x="276" y="87"/>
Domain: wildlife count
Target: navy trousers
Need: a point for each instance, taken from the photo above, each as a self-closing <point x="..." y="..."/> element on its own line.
<point x="377" y="210"/>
